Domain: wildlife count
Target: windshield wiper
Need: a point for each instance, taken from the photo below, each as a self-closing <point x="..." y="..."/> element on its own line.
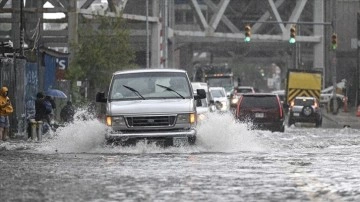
<point x="135" y="91"/>
<point x="170" y="89"/>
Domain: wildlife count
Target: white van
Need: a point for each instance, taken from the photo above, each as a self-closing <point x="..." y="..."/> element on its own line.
<point x="151" y="104"/>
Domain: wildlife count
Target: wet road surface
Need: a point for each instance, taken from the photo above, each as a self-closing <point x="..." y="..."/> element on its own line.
<point x="228" y="163"/>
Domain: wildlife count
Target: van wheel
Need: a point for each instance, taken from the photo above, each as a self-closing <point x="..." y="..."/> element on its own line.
<point x="192" y="140"/>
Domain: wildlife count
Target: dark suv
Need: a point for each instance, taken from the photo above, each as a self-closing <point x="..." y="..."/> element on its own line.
<point x="305" y="109"/>
<point x="261" y="111"/>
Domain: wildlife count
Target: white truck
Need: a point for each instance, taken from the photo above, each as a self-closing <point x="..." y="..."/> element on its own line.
<point x="327" y="94"/>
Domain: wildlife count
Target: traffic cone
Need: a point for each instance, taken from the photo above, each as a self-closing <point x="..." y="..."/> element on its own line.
<point x="358" y="111"/>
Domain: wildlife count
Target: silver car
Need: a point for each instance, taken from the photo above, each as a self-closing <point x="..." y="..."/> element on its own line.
<point x="152" y="105"/>
<point x="305" y="109"/>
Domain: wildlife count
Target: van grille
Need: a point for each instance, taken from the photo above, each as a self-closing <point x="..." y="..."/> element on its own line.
<point x="150" y="121"/>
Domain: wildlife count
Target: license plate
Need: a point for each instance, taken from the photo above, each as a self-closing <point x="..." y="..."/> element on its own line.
<point x="180" y="141"/>
<point x="259" y="115"/>
<point x="296" y="114"/>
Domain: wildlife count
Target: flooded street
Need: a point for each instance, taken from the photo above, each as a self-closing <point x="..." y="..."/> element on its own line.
<point x="228" y="163"/>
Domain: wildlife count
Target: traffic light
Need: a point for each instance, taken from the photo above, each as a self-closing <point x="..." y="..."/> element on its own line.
<point x="247" y="33"/>
<point x="334" y="41"/>
<point x="292" y="34"/>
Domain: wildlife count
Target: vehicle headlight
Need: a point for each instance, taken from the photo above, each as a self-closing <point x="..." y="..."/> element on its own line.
<point x="186" y="118"/>
<point x="223" y="103"/>
<point x="234" y="100"/>
<point x="115" y="121"/>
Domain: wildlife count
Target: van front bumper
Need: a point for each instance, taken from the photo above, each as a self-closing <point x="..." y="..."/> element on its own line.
<point x="155" y="134"/>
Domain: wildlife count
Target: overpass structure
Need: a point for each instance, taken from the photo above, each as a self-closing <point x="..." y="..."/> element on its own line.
<point x="180" y="30"/>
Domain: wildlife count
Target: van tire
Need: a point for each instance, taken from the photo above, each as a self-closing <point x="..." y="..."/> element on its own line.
<point x="192" y="140"/>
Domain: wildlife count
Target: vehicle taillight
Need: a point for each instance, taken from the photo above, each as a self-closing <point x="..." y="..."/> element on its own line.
<point x="238" y="107"/>
<point x="280" y="108"/>
<point x="292" y="103"/>
<point x="315" y="105"/>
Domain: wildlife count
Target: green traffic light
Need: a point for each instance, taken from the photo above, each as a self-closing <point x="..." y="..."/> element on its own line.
<point x="292" y="40"/>
<point x="333" y="46"/>
<point x="247" y="39"/>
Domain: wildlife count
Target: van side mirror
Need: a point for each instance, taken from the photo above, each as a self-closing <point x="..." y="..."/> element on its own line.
<point x="100" y="97"/>
<point x="200" y="94"/>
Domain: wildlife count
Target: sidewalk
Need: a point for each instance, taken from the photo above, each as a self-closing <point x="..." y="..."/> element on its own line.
<point x="343" y="118"/>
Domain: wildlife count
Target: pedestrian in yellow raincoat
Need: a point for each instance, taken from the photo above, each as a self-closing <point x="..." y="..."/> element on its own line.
<point x="5" y="110"/>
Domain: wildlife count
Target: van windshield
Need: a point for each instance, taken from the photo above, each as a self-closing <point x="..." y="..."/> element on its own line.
<point x="146" y="86"/>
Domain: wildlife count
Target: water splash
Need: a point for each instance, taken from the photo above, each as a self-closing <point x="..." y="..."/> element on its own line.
<point x="221" y="133"/>
<point x="83" y="135"/>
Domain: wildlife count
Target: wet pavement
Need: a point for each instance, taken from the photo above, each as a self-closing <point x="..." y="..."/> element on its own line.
<point x="228" y="163"/>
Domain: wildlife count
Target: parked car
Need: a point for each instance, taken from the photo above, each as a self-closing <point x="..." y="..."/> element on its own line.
<point x="237" y="92"/>
<point x="305" y="109"/>
<point x="218" y="95"/>
<point x="261" y="111"/>
<point x="152" y="105"/>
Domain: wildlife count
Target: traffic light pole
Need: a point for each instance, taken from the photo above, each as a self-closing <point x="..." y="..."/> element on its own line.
<point x="294" y="58"/>
<point x="333" y="60"/>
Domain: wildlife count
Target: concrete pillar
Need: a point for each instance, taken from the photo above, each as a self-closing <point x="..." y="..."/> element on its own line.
<point x="155" y="36"/>
<point x="72" y="27"/>
<point x="319" y="48"/>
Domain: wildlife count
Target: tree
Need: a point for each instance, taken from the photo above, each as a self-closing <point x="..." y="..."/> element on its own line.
<point x="103" y="47"/>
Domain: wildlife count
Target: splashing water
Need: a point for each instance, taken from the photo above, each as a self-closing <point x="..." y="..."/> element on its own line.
<point x="83" y="135"/>
<point x="217" y="133"/>
<point x="221" y="133"/>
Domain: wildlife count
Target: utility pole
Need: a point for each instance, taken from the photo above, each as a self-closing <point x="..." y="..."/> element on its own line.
<point x="147" y="35"/>
<point x="357" y="78"/>
<point x="166" y="22"/>
<point x="333" y="59"/>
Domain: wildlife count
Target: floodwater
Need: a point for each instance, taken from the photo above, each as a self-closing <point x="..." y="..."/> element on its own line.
<point x="229" y="163"/>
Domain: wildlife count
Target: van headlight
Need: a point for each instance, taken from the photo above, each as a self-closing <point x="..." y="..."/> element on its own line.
<point x="186" y="118"/>
<point x="115" y="121"/>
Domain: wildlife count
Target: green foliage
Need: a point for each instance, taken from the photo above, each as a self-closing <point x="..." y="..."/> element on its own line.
<point x="103" y="47"/>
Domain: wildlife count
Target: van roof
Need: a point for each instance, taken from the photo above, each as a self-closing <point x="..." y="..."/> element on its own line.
<point x="129" y="71"/>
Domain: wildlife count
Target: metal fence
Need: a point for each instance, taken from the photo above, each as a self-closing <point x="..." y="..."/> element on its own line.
<point x="13" y="76"/>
